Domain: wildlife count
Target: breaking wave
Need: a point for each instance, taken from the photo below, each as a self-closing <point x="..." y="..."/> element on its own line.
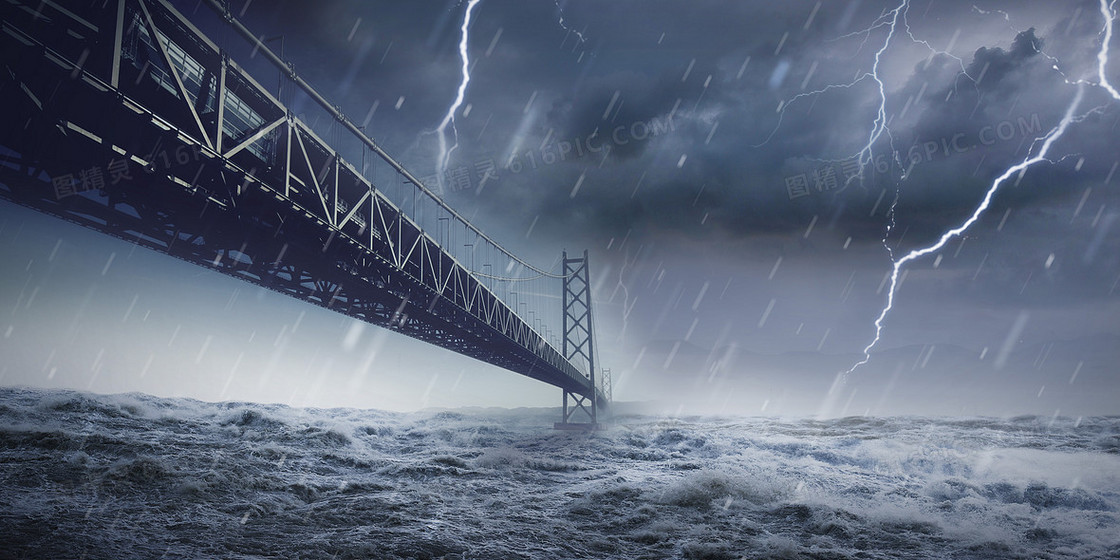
<point x="138" y="476"/>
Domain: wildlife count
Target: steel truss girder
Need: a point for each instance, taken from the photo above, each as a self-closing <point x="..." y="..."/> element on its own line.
<point x="86" y="105"/>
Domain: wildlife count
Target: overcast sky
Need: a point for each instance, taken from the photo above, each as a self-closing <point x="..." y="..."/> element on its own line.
<point x="736" y="268"/>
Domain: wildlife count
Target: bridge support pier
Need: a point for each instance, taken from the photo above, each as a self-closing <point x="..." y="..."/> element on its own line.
<point x="578" y="403"/>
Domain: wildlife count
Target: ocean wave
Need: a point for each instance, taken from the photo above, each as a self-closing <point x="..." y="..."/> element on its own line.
<point x="111" y="476"/>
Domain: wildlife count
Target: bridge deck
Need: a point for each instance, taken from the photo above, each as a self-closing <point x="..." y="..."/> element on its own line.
<point x="127" y="120"/>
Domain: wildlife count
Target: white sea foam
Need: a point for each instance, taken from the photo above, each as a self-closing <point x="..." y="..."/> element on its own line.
<point x="138" y="476"/>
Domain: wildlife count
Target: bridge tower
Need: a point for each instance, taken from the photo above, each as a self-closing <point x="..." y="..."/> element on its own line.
<point x="578" y="344"/>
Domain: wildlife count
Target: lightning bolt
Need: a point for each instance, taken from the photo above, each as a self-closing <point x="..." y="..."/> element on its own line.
<point x="1108" y="13"/>
<point x="449" y="118"/>
<point x="889" y="19"/>
<point x="1056" y="66"/>
<point x="880" y="125"/>
<point x="1047" y="141"/>
<point x="892" y="20"/>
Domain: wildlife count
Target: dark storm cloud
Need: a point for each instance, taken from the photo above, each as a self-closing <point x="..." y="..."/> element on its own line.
<point x="540" y="86"/>
<point x="989" y="116"/>
<point x="990" y="66"/>
<point x="744" y="185"/>
<point x="623" y="99"/>
<point x="712" y="76"/>
<point x="971" y="118"/>
<point x="952" y="100"/>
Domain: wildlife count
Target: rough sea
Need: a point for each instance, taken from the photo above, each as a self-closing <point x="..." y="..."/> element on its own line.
<point x="135" y="476"/>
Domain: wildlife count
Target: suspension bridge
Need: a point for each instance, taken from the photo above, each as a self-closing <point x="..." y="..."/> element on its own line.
<point x="125" y="118"/>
